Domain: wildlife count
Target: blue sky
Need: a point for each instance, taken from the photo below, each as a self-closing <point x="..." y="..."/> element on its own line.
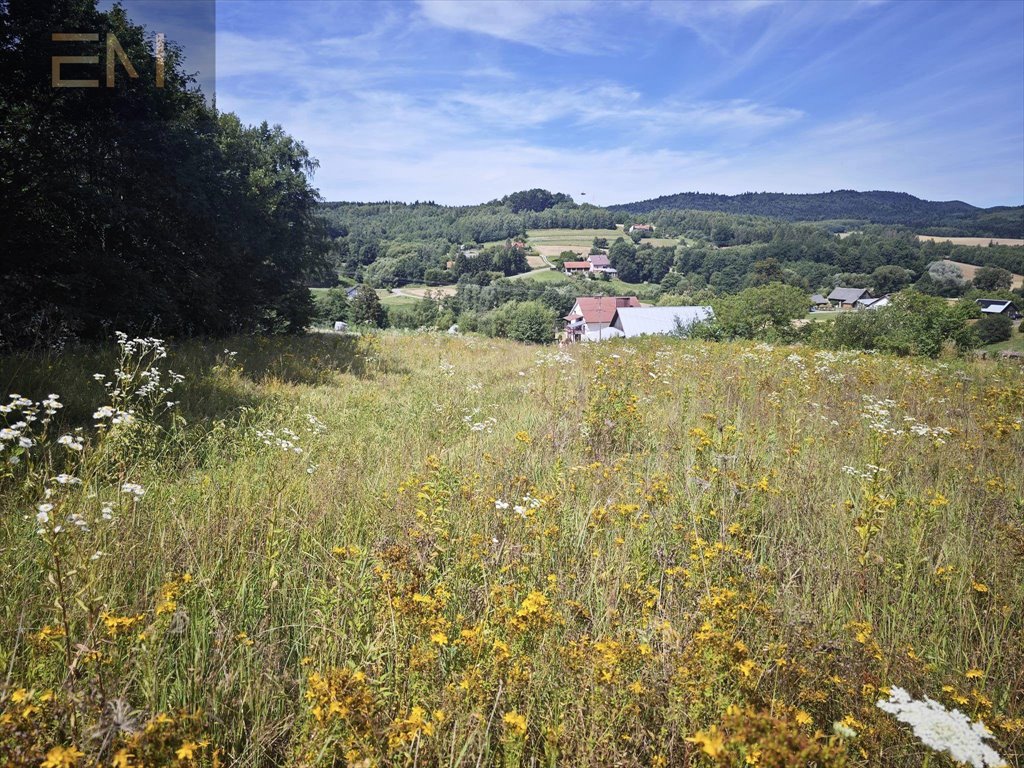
<point x="463" y="101"/>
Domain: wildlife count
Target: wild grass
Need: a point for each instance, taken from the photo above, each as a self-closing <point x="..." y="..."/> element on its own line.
<point x="650" y="552"/>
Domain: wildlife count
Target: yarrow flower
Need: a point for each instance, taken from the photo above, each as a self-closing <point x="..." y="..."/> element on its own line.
<point x="134" y="489"/>
<point x="943" y="730"/>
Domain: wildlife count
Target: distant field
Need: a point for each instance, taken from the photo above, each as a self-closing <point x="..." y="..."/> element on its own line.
<point x="546" y="276"/>
<point x="970" y="270"/>
<point x="422" y="290"/>
<point x="970" y="240"/>
<point x="566" y="239"/>
<point x="580" y="239"/>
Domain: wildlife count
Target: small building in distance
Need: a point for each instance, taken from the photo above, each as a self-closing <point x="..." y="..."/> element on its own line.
<point x="601" y="264"/>
<point x="819" y="302"/>
<point x="847" y="298"/>
<point x="642" y="228"/>
<point x="651" y="321"/>
<point x="576" y="267"/>
<point x="872" y="303"/>
<point x="998" y="307"/>
<point x="594" y="314"/>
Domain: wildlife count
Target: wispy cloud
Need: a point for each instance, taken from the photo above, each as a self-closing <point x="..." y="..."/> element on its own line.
<point x="464" y="102"/>
<point x="562" y="26"/>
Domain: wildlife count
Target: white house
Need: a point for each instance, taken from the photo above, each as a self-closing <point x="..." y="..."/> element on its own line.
<point x="593" y="314"/>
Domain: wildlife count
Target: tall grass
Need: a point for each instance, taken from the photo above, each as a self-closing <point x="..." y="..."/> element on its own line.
<point x="639" y="553"/>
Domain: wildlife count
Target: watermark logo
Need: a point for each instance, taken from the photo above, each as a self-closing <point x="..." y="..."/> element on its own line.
<point x="115" y="54"/>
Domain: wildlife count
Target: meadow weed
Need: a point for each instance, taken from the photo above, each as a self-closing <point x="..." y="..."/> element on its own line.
<point x="419" y="549"/>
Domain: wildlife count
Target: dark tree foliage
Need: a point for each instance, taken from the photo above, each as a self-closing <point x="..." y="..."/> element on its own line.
<point x="140" y="208"/>
<point x="994" y="328"/>
<point x="992" y="279"/>
<point x="366" y="309"/>
<point x="913" y="324"/>
<point x="938" y="218"/>
<point x="362" y="233"/>
<point x="534" y="200"/>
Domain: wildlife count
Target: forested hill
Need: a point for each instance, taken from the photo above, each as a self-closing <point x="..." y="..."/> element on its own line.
<point x="940" y="218"/>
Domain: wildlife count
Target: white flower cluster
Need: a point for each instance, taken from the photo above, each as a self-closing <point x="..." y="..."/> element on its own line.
<point x="285" y="439"/>
<point x="825" y="362"/>
<point x="138" y="380"/>
<point x="71" y="442"/>
<point x="315" y="426"/>
<point x="943" y="730"/>
<point x="447" y="369"/>
<point x="22" y="417"/>
<point x="796" y="361"/>
<point x="870" y="473"/>
<point x="880" y="419"/>
<point x="115" y="415"/>
<point x="530" y="504"/>
<point x="134" y="489"/>
<point x="486" y="425"/>
<point x="49" y="523"/>
<point x="555" y="358"/>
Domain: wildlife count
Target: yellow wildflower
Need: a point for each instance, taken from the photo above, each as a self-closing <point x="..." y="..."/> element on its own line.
<point x="746" y="668"/>
<point x="515" y="722"/>
<point x="62" y="757"/>
<point x="187" y="751"/>
<point x="711" y="742"/>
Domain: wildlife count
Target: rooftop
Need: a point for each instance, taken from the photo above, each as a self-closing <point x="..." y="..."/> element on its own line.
<point x="640" y="321"/>
<point x="601" y="309"/>
<point x="848" y="295"/>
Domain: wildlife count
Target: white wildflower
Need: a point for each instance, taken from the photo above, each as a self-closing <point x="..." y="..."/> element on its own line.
<point x="71" y="442"/>
<point x="500" y="504"/>
<point x="943" y="730"/>
<point x="134" y="489"/>
<point x="842" y="729"/>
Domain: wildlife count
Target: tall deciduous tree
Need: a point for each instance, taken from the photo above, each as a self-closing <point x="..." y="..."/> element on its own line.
<point x="138" y="207"/>
<point x="366" y="308"/>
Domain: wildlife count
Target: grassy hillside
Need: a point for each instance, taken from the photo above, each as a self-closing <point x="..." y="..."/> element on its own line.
<point x="418" y="549"/>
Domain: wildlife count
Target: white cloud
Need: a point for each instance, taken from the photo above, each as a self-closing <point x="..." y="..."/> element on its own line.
<point x="553" y="25"/>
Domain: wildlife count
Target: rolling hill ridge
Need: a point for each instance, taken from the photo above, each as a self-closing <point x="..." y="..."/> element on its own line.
<point x="878" y="207"/>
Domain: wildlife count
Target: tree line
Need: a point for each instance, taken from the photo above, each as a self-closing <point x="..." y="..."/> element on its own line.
<point x="927" y="217"/>
<point x="142" y="208"/>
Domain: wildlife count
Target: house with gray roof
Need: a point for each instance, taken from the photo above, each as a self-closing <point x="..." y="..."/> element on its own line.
<point x="819" y="302"/>
<point x="998" y="307"/>
<point x="847" y="298"/>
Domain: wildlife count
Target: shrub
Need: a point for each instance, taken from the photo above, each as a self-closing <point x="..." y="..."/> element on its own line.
<point x="994" y="328"/>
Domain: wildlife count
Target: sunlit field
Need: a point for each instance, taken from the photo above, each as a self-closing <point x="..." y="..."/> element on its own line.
<point x="417" y="549"/>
